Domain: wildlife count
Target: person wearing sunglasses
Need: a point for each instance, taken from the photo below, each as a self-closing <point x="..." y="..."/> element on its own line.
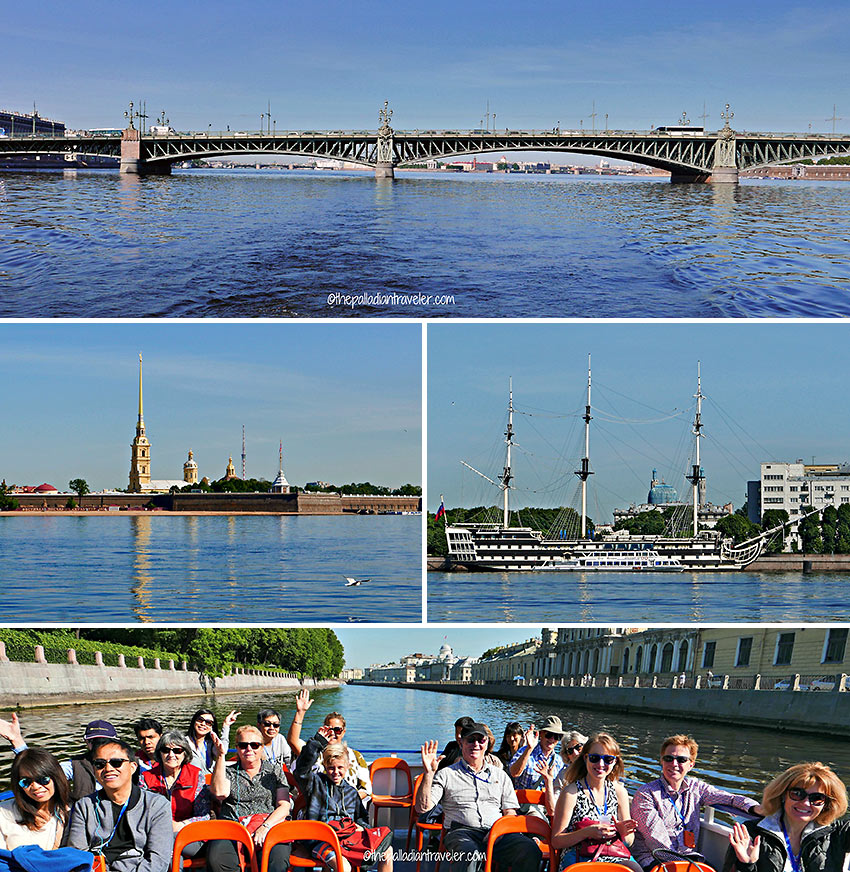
<point x="254" y="792"/>
<point x="276" y="747"/>
<point x="37" y="813"/>
<point x="474" y="795"/>
<point x="667" y="810"/>
<point x="358" y="769"/>
<point x="129" y="827"/>
<point x="591" y="820"/>
<point x="802" y="830"/>
<point x="331" y="797"/>
<point x="183" y="783"/>
<point x="202" y="729"/>
<point x="537" y="761"/>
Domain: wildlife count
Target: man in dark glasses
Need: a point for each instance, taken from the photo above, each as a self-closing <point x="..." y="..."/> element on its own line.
<point x="538" y="751"/>
<point x="129" y="827"/>
<point x="667" y="810"/>
<point x="474" y="794"/>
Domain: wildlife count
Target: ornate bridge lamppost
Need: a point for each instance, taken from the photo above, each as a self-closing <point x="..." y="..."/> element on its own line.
<point x="384" y="165"/>
<point x="725" y="169"/>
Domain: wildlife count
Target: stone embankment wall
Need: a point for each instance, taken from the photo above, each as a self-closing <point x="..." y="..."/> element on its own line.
<point x="24" y="685"/>
<point x="801" y="563"/>
<point x="816" y="713"/>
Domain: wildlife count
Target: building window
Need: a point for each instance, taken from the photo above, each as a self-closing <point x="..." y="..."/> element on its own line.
<point x="708" y="655"/>
<point x="836" y="644"/>
<point x="745" y="645"/>
<point x="784" y="649"/>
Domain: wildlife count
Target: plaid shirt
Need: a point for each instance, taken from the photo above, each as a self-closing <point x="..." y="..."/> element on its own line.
<point x="528" y="779"/>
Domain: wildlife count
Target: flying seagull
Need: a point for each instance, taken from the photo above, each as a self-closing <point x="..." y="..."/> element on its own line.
<point x="353" y="582"/>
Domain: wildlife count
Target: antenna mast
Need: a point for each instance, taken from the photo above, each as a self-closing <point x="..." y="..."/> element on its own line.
<point x="243" y="452"/>
<point x="585" y="472"/>
<point x="696" y="472"/>
<point x="509" y="435"/>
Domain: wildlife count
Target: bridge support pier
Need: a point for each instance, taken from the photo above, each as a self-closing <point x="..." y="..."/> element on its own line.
<point x="686" y="178"/>
<point x="724" y="176"/>
<point x="132" y="161"/>
<point x="384" y="170"/>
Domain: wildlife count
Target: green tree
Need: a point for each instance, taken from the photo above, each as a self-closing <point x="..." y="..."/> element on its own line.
<point x="828" y="526"/>
<point x="773" y="518"/>
<point x="810" y="533"/>
<point x="842" y="530"/>
<point x="737" y="527"/>
<point x="650" y="523"/>
<point x="7" y="503"/>
<point x="80" y="487"/>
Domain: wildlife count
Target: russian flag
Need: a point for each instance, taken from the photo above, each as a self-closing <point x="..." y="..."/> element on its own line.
<point x="441" y="512"/>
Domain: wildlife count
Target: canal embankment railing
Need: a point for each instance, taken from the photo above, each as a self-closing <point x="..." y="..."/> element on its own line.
<point x="787" y="710"/>
<point x="39" y="682"/>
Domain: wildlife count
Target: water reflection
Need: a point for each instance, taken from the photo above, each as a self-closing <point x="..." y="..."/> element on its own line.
<point x="140" y="527"/>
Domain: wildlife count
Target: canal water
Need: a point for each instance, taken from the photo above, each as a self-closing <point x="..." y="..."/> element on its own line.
<point x="381" y="720"/>
<point x="210" y="569"/>
<point x="277" y="243"/>
<point x="623" y="597"/>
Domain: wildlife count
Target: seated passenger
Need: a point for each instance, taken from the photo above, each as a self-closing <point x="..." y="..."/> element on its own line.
<point x="474" y="795"/>
<point x="802" y="829"/>
<point x="129" y="827"/>
<point x="172" y="776"/>
<point x="202" y="729"/>
<point x="452" y="752"/>
<point x="667" y="810"/>
<point x="38" y="811"/>
<point x="490" y="757"/>
<point x="276" y="747"/>
<point x="78" y="770"/>
<point x="358" y="769"/>
<point x="330" y="797"/>
<point x="148" y="732"/>
<point x="593" y="792"/>
<point x="536" y="761"/>
<point x="253" y="792"/>
<point x="511" y="741"/>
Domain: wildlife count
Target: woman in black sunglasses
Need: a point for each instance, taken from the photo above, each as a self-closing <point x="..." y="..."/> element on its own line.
<point x="802" y="829"/>
<point x="667" y="810"/>
<point x="38" y="811"/>
<point x="202" y="728"/>
<point x="591" y="820"/>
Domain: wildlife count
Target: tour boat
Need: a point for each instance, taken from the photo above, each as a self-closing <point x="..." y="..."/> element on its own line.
<point x="499" y="547"/>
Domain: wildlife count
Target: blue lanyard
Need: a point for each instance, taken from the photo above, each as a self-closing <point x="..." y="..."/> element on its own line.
<point x="604" y="812"/>
<point x="795" y="859"/>
<point x="103" y="844"/>
<point x="679" y="813"/>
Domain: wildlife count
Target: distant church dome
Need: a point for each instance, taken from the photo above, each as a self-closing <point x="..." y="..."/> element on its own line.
<point x="661" y="494"/>
<point x="45" y="489"/>
<point x="231" y="470"/>
<point x="190" y="469"/>
<point x="445" y="652"/>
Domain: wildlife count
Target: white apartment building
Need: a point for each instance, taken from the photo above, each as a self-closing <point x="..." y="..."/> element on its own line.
<point x="791" y="486"/>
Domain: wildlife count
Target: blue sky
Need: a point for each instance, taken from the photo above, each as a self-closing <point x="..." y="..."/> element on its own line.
<point x="775" y="392"/>
<point x="781" y="65"/>
<point x="365" y="647"/>
<point x="344" y="398"/>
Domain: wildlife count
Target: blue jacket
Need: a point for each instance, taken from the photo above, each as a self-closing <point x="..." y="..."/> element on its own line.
<point x="32" y="858"/>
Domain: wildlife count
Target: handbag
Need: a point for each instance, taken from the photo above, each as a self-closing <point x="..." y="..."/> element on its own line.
<point x="594" y="849"/>
<point x="253" y="822"/>
<point x="361" y="846"/>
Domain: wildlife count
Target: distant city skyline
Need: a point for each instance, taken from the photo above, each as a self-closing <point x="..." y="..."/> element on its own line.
<point x="386" y="645"/>
<point x="782" y="66"/>
<point x="773" y="393"/>
<point x="70" y="399"/>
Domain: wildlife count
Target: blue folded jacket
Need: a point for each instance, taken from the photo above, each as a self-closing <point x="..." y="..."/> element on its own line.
<point x="32" y="858"/>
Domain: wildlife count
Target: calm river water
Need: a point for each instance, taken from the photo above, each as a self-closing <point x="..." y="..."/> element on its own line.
<point x="677" y="597"/>
<point x="278" y="243"/>
<point x="210" y="569"/>
<point x="383" y="719"/>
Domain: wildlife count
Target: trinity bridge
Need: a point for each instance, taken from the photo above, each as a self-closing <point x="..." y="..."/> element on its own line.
<point x="689" y="154"/>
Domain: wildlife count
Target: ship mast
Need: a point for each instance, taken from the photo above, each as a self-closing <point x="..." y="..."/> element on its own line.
<point x="509" y="435"/>
<point x="696" y="472"/>
<point x="585" y="472"/>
